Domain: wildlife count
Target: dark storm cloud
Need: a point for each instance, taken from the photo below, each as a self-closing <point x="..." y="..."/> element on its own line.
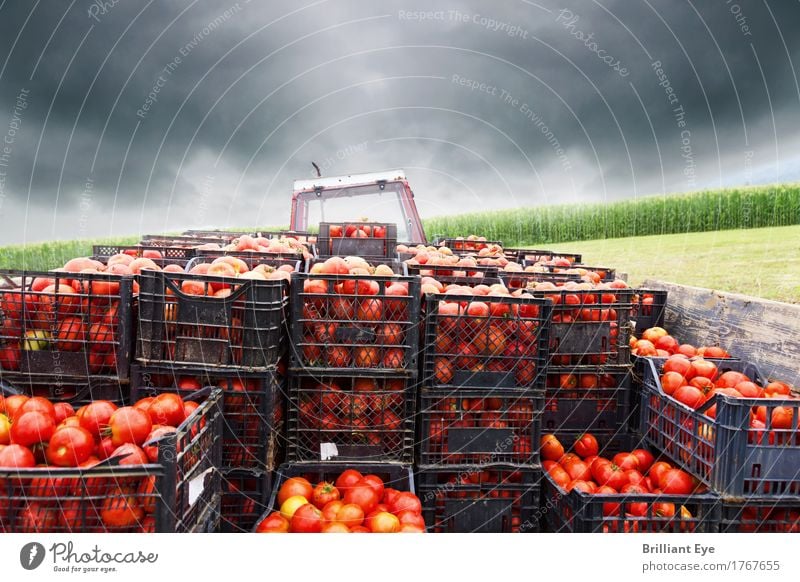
<point x="146" y="116"/>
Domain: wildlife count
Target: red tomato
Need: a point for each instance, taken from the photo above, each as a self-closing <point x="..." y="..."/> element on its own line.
<point x="324" y="493"/>
<point x="331" y="509"/>
<point x="273" y="523"/>
<point x="167" y="409"/>
<point x="578" y="471"/>
<point x="129" y="425"/>
<point x="16" y="457"/>
<point x="347" y="479"/>
<point x="586" y="446"/>
<point x="69" y="447"/>
<point x="131" y="455"/>
<point x="32" y="428"/>
<point x="95" y="416"/>
<point x="406" y="501"/>
<point x="609" y="474"/>
<point x="626" y="461"/>
<point x="295" y="486"/>
<point x="335" y="527"/>
<point x="382" y="522"/>
<point x="690" y="396"/>
<point x="675" y="482"/>
<point x="645" y="459"/>
<point x="350" y="514"/>
<point x="657" y="471"/>
<point x="307" y="519"/>
<point x="671" y="381"/>
<point x="551" y="448"/>
<point x="376" y="483"/>
<point x="363" y="495"/>
<point x="63" y="410"/>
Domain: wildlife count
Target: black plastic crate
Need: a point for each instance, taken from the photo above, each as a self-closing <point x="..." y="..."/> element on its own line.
<point x="588" y="398"/>
<point x="252" y="409"/>
<point x="456" y="275"/>
<point x="245" y="497"/>
<point x="251" y="259"/>
<point x="76" y="392"/>
<point x="482" y="499"/>
<point x="397" y="267"/>
<point x="477" y="427"/>
<point x="394" y="475"/>
<point x="650" y="305"/>
<point x="504" y="345"/>
<point x="354" y="322"/>
<point x="244" y="330"/>
<point x="725" y="452"/>
<point x="178" y="240"/>
<point x="578" y="512"/>
<point x="761" y="515"/>
<point x="65" y="326"/>
<point x="168" y="255"/>
<point x="369" y="246"/>
<point x="606" y="274"/>
<point x="539" y="256"/>
<point x="590" y="327"/>
<point x="528" y="279"/>
<point x="338" y="417"/>
<point x="179" y="493"/>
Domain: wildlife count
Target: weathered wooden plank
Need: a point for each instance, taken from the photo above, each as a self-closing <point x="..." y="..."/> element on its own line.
<point x="759" y="330"/>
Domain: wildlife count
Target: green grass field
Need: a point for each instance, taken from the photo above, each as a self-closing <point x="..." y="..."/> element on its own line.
<point x="764" y="262"/>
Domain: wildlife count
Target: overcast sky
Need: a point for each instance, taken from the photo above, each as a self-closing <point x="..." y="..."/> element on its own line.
<point x="125" y="117"/>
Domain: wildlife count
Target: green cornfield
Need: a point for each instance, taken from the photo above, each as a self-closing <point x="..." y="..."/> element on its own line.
<point x="755" y="207"/>
<point x="49" y="255"/>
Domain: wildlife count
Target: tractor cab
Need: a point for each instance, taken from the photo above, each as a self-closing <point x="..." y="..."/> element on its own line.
<point x="377" y="197"/>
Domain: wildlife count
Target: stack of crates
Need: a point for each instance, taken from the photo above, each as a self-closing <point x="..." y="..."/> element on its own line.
<point x="199" y="330"/>
<point x="480" y="412"/>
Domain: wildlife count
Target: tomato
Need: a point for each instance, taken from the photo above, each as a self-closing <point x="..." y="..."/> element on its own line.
<point x="645" y="459"/>
<point x="335" y="527"/>
<point x="551" y="448"/>
<point x="626" y="461"/>
<point x="389" y="495"/>
<point x="586" y="446"/>
<point x="331" y="509"/>
<point x="37" y="518"/>
<point x="69" y="447"/>
<point x="578" y="471"/>
<point x="121" y="511"/>
<point x="704" y="368"/>
<point x="609" y="474"/>
<point x="167" y="409"/>
<point x="292" y="504"/>
<point x="637" y="508"/>
<point x="671" y="381"/>
<point x="382" y="522"/>
<point x="350" y="514"/>
<point x="559" y="476"/>
<point x="12" y="404"/>
<point x="323" y="494"/>
<point x="749" y="389"/>
<point x="675" y="482"/>
<point x="16" y="457"/>
<point x="363" y="495"/>
<point x="634" y="477"/>
<point x="657" y="471"/>
<point x="5" y="430"/>
<point x="580" y="485"/>
<point x="306" y="519"/>
<point x="663" y="509"/>
<point x="32" y="428"/>
<point x="95" y="416"/>
<point x="411" y="528"/>
<point x="690" y="396"/>
<point x="38" y="404"/>
<point x="782" y="417"/>
<point x="63" y="410"/>
<point x="347" y="479"/>
<point x="131" y="455"/>
<point x="411" y="517"/>
<point x="129" y="425"/>
<point x="273" y="523"/>
<point x="156" y="433"/>
<point x="377" y="484"/>
<point x="406" y="501"/>
<point x="777" y="388"/>
<point x="730" y="379"/>
<point x="295" y="486"/>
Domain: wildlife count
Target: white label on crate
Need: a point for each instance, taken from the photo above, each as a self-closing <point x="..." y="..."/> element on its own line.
<point x="327" y="451"/>
<point x="197" y="486"/>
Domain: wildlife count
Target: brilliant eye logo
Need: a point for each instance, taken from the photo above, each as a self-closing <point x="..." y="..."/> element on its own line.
<point x="31" y="555"/>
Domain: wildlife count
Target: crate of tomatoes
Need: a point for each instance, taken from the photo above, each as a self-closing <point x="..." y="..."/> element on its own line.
<point x="595" y="488"/>
<point x="360" y="239"/>
<point x="725" y="423"/>
<point x="61" y="326"/>
<point x="347" y="315"/>
<point x="232" y="321"/>
<point x="150" y="467"/>
<point x="490" y="498"/>
<point x="761" y="514"/>
<point x="479" y="426"/>
<point x="492" y="340"/>
<point x="342" y="498"/>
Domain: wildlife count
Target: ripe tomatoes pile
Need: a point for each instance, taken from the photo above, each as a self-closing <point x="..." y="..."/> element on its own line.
<point x="696" y="381"/>
<point x="486" y="334"/>
<point x="35" y="432"/>
<point x="61" y="314"/>
<point x="656" y="341"/>
<point x="284" y="245"/>
<point x="357" y="230"/>
<point x="354" y="503"/>
<point x="355" y="322"/>
<point x="627" y="472"/>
